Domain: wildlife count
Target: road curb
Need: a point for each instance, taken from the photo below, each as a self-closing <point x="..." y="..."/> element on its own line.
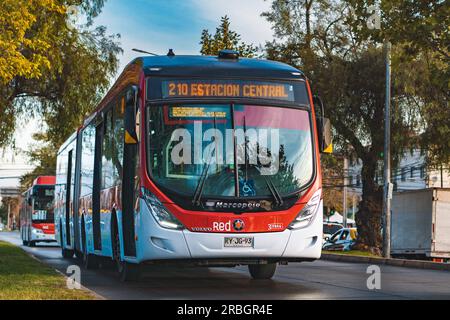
<point x="418" y="264"/>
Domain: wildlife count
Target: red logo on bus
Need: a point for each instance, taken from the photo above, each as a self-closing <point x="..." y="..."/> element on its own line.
<point x="238" y="225"/>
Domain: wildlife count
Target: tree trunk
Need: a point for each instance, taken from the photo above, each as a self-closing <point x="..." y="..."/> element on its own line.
<point x="368" y="218"/>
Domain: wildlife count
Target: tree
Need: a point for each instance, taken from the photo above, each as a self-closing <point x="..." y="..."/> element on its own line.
<point x="420" y="36"/>
<point x="348" y="73"/>
<point x="3" y="214"/>
<point x="20" y="54"/>
<point x="8" y="204"/>
<point x="71" y="70"/>
<point x="225" y="38"/>
<point x="43" y="155"/>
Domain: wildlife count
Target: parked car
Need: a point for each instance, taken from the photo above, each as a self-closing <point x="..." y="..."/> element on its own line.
<point x="342" y="240"/>
<point x="330" y="228"/>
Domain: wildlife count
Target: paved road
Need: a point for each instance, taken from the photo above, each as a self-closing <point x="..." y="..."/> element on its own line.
<point x="313" y="280"/>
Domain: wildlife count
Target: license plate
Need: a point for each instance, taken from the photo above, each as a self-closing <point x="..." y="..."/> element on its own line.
<point x="238" y="242"/>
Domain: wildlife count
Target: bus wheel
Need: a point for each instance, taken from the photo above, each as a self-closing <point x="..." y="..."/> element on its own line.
<point x="90" y="261"/>
<point x="25" y="243"/>
<point x="78" y="255"/>
<point x="130" y="272"/>
<point x="66" y="253"/>
<point x="127" y="271"/>
<point x="32" y="244"/>
<point x="262" y="271"/>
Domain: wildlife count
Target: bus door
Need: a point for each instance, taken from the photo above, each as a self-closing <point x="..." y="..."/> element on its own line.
<point x="96" y="224"/>
<point x="130" y="180"/>
<point x="70" y="164"/>
<point x="76" y="193"/>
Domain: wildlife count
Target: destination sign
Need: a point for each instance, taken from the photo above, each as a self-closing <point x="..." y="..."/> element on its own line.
<point x="196" y="112"/>
<point x="227" y="89"/>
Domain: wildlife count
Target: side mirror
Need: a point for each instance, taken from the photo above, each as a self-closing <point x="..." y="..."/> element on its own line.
<point x="130" y="115"/>
<point x="327" y="142"/>
<point x="323" y="127"/>
<point x="29" y="201"/>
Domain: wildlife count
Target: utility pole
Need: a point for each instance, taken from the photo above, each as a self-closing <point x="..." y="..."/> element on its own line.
<point x="353" y="206"/>
<point x="344" y="213"/>
<point x="9" y="218"/>
<point x="387" y="159"/>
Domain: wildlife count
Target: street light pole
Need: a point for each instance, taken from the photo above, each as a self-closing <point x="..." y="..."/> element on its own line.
<point x="387" y="159"/>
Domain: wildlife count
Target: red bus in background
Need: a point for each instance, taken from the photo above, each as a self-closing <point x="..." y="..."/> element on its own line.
<point x="36" y="213"/>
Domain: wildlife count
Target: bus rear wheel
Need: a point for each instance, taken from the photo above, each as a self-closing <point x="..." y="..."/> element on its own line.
<point x="66" y="253"/>
<point x="90" y="261"/>
<point x="262" y="271"/>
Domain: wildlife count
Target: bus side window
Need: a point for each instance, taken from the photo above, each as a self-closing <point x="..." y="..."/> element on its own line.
<point x="118" y="134"/>
<point x="108" y="151"/>
<point x="87" y="160"/>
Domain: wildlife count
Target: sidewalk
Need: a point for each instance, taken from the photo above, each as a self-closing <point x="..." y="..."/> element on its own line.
<point x="419" y="264"/>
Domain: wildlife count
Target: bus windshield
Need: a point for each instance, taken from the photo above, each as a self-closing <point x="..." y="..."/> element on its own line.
<point x="43" y="204"/>
<point x="271" y="147"/>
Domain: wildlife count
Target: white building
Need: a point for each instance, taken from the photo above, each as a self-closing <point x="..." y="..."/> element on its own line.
<point x="13" y="164"/>
<point x="412" y="173"/>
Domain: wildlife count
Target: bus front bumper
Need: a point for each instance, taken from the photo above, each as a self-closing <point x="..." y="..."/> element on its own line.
<point x="157" y="243"/>
<point x="42" y="237"/>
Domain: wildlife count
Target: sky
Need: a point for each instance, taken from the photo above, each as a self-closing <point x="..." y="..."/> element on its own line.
<point x="157" y="25"/>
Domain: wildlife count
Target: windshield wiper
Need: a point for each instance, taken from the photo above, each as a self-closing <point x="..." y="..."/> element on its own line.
<point x="274" y="191"/>
<point x="201" y="184"/>
<point x="205" y="171"/>
<point x="245" y="150"/>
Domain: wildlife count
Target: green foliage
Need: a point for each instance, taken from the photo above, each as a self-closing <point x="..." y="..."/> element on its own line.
<point x="420" y="36"/>
<point x="3" y="214"/>
<point x="225" y="38"/>
<point x="69" y="83"/>
<point x="348" y="72"/>
<point x="43" y="156"/>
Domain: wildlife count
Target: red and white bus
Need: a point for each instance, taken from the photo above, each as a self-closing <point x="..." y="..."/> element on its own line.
<point x="199" y="160"/>
<point x="36" y="212"/>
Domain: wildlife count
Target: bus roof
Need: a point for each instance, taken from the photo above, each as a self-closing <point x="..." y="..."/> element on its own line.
<point x="44" y="180"/>
<point x="207" y="66"/>
<point x="194" y="66"/>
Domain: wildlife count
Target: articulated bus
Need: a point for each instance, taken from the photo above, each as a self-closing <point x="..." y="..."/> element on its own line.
<point x="199" y="161"/>
<point x="36" y="212"/>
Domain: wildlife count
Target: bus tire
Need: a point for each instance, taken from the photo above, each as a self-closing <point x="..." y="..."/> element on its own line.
<point x="129" y="272"/>
<point x="25" y="243"/>
<point x="66" y="253"/>
<point x="78" y="255"/>
<point x="32" y="244"/>
<point x="262" y="271"/>
<point x="90" y="261"/>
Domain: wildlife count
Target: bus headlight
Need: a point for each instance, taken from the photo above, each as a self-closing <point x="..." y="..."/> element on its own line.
<point x="37" y="231"/>
<point x="306" y="216"/>
<point x="164" y="218"/>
